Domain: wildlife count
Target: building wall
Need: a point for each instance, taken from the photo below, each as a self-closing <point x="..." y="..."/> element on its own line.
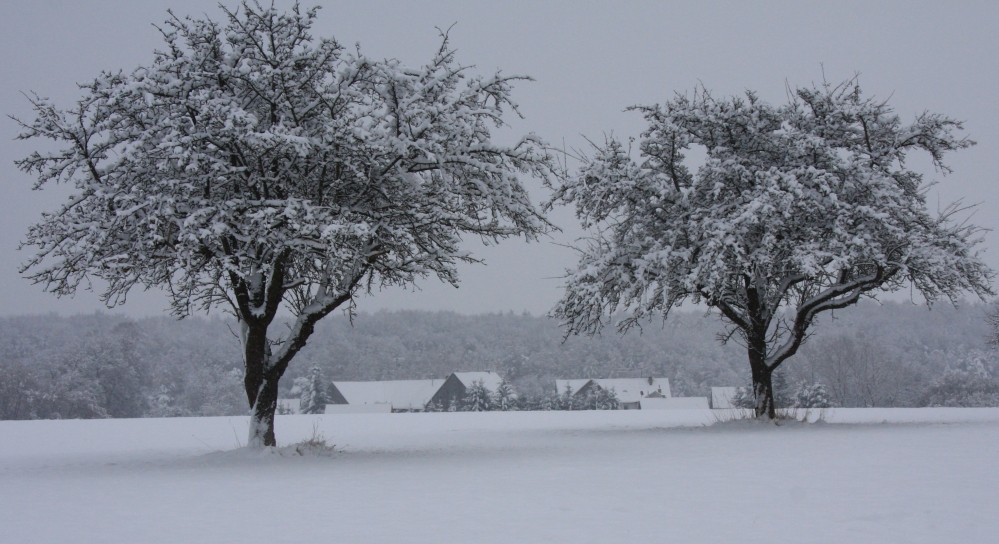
<point x="450" y="391"/>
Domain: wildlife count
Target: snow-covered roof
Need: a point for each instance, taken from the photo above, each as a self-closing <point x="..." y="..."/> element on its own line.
<point x="627" y="389"/>
<point x="573" y="385"/>
<point x="400" y="394"/>
<point x="490" y="380"/>
<point x="721" y="397"/>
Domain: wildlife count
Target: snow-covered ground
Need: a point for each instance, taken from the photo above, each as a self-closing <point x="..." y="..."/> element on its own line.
<point x="882" y="476"/>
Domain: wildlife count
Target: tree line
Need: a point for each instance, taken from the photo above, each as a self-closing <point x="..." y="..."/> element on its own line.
<point x="98" y="365"/>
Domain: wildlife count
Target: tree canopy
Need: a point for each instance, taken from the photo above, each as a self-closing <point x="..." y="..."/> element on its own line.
<point x="797" y="209"/>
<point x="255" y="167"/>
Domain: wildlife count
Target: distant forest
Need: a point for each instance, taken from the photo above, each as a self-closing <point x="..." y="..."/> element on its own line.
<point x="99" y="365"/>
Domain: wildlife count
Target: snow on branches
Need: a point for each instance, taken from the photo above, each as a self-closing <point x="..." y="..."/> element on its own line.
<point x="254" y="166"/>
<point x="803" y="207"/>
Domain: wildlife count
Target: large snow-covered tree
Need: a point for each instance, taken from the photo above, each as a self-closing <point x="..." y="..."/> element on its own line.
<point x="796" y="209"/>
<point x="255" y="167"/>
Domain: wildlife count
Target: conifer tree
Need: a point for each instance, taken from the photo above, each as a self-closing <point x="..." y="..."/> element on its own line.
<point x="505" y="399"/>
<point x="313" y="400"/>
<point x="478" y="398"/>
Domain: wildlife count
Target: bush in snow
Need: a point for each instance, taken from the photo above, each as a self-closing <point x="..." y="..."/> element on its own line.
<point x="811" y="395"/>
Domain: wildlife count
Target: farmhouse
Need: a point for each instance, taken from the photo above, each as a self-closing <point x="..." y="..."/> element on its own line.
<point x="395" y="395"/>
<point x="629" y="391"/>
<point x="457" y="384"/>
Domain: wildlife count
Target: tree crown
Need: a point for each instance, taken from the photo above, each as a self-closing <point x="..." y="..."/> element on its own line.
<point x="808" y="205"/>
<point x="251" y="164"/>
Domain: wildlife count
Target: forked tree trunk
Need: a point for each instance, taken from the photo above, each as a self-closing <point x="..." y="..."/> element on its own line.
<point x="261" y="384"/>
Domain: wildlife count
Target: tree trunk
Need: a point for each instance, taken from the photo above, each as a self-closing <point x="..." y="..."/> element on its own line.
<point x="763" y="389"/>
<point x="763" y="392"/>
<point x="261" y="384"/>
<point x="262" y="415"/>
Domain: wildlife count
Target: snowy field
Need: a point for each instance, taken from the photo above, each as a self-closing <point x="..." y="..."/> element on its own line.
<point x="879" y="476"/>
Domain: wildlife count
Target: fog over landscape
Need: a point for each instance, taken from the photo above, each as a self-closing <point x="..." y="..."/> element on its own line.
<point x="522" y="271"/>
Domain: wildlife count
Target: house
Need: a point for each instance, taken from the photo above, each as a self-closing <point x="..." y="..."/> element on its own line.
<point x="721" y="397"/>
<point x="629" y="391"/>
<point x="396" y="395"/>
<point x="457" y="384"/>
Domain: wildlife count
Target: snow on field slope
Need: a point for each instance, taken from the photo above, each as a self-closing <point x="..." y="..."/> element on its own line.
<point x="925" y="475"/>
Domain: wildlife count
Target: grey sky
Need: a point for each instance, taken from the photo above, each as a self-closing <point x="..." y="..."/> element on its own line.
<point x="590" y="59"/>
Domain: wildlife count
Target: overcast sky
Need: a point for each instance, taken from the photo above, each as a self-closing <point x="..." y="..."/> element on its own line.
<point x="590" y="61"/>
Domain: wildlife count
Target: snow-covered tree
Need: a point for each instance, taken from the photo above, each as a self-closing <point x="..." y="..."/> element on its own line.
<point x="313" y="397"/>
<point x="254" y="167"/>
<point x="796" y="210"/>
<point x="478" y="398"/>
<point x="504" y="398"/>
<point x="970" y="380"/>
<point x="811" y="395"/>
<point x="601" y="398"/>
<point x="550" y="401"/>
<point x="567" y="401"/>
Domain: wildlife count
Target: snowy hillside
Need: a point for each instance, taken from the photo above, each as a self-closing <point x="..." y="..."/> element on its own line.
<point x="919" y="475"/>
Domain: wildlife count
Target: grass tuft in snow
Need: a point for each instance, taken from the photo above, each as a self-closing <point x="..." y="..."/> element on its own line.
<point x="314" y="446"/>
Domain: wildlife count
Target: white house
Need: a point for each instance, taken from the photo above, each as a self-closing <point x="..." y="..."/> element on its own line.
<point x="629" y="391"/>
<point x="397" y="395"/>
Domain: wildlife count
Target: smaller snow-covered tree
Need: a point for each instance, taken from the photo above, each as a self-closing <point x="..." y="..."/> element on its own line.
<point x="313" y="399"/>
<point x="505" y="399"/>
<point x="812" y="395"/>
<point x="743" y="398"/>
<point x="567" y="401"/>
<point x="599" y="398"/>
<point x="478" y="398"/>
<point x="606" y="399"/>
<point x="550" y="401"/>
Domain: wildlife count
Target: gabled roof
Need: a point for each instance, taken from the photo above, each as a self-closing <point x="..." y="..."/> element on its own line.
<point x="490" y="380"/>
<point x="400" y="394"/>
<point x="573" y="385"/>
<point x="627" y="389"/>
